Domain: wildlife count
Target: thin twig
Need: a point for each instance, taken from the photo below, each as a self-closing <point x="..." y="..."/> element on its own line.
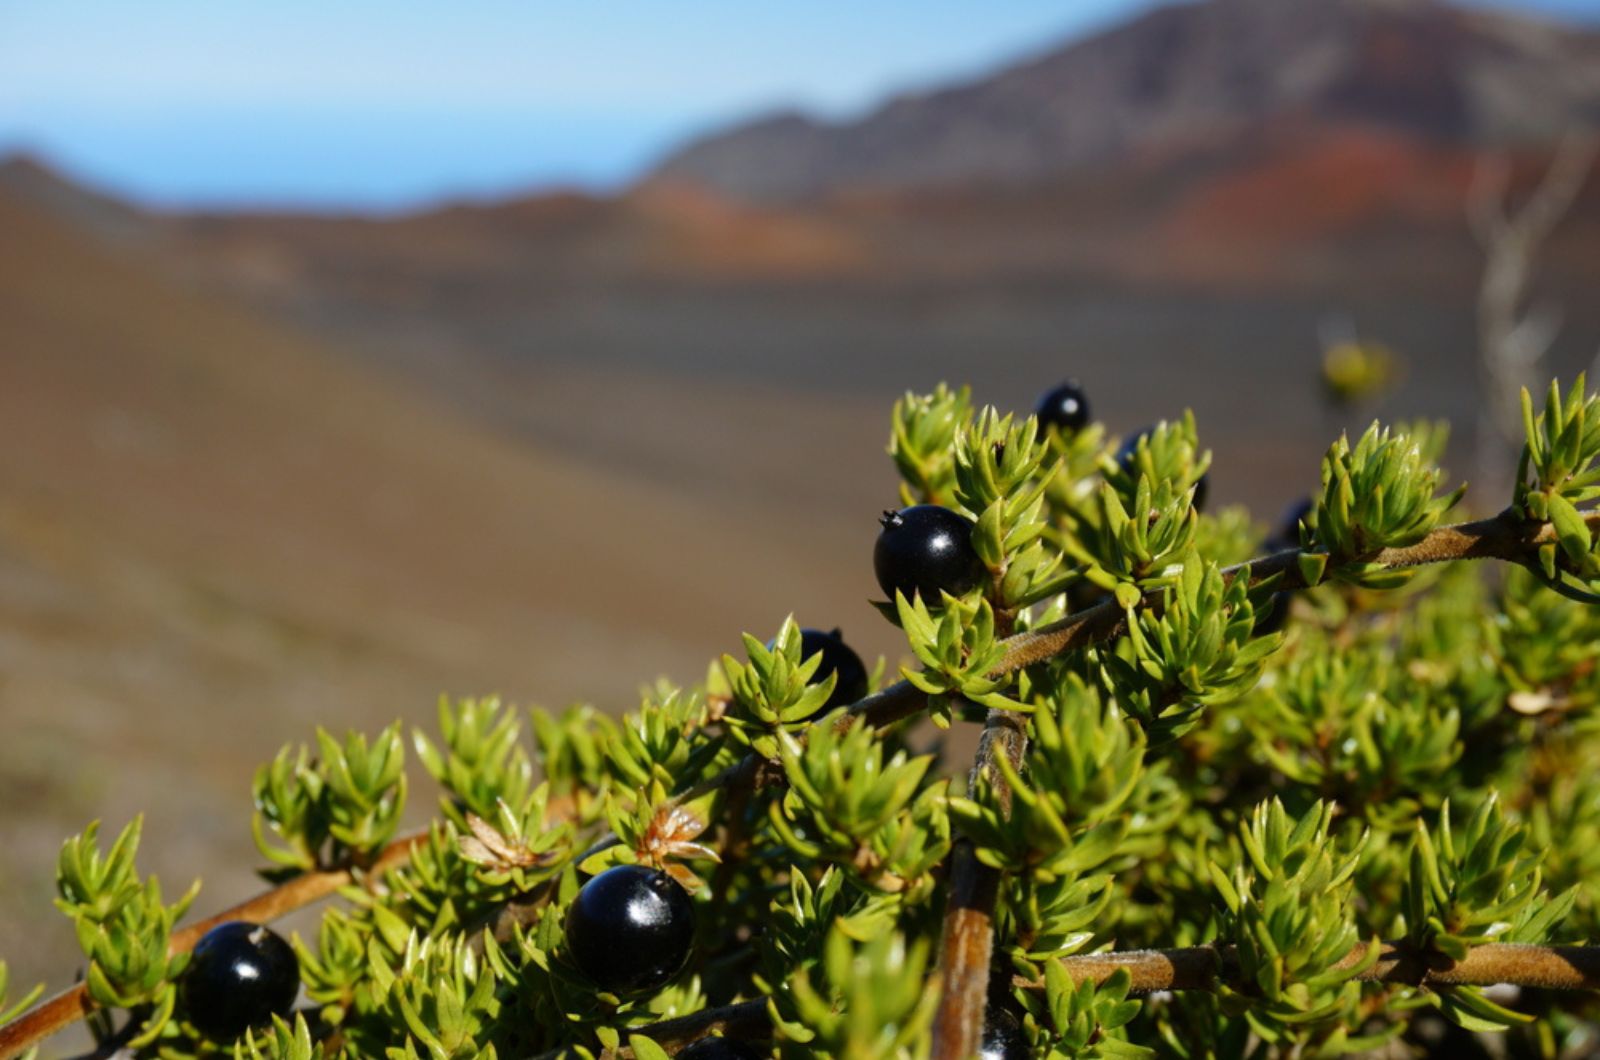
<point x="1501" y="537"/>
<point x="967" y="945"/>
<point x="1491" y="964"/>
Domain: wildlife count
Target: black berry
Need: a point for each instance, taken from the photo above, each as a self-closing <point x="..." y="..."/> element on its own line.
<point x="1128" y="451"/>
<point x="630" y="929"/>
<point x="925" y="549"/>
<point x="837" y="658"/>
<point x="1065" y="408"/>
<point x="1002" y="1036"/>
<point x="240" y="976"/>
<point x="720" y="1049"/>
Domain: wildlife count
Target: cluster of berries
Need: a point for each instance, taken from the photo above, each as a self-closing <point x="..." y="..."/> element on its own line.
<point x="631" y="928"/>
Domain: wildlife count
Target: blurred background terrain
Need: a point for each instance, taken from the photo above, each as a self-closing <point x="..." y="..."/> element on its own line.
<point x="280" y="454"/>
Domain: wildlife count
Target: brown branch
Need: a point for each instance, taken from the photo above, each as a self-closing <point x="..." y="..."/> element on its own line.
<point x="1491" y="964"/>
<point x="967" y="945"/>
<point x="43" y="1020"/>
<point x="74" y="1003"/>
<point x="303" y="890"/>
<point x="1501" y="537"/>
<point x="1203" y="967"/>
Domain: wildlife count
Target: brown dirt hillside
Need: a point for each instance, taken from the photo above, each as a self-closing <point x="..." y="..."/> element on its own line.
<point x="215" y="532"/>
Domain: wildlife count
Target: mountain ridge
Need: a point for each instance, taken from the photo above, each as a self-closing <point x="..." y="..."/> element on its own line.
<point x="1444" y="73"/>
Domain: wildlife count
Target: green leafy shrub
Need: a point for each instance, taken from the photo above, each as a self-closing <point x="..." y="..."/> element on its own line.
<point x="1182" y="833"/>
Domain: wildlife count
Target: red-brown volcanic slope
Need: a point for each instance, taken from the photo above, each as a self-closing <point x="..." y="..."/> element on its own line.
<point x="1294" y="207"/>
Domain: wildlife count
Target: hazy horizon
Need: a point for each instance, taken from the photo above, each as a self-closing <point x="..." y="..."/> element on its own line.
<point x="363" y="108"/>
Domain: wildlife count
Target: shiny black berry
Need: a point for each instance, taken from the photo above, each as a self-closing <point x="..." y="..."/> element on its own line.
<point x="1064" y="408"/>
<point x="239" y="976"/>
<point x="1002" y="1036"/>
<point x="721" y="1049"/>
<point x="925" y="549"/>
<point x="1129" y="450"/>
<point x="837" y="658"/>
<point x="630" y="929"/>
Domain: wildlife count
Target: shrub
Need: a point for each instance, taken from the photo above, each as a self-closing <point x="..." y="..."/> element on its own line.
<point x="1186" y="830"/>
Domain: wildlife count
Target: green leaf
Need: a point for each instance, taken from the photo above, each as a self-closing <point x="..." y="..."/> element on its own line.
<point x="645" y="1048"/>
<point x="1571" y="531"/>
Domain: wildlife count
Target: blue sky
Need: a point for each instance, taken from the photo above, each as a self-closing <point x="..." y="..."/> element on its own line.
<point x="379" y="104"/>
